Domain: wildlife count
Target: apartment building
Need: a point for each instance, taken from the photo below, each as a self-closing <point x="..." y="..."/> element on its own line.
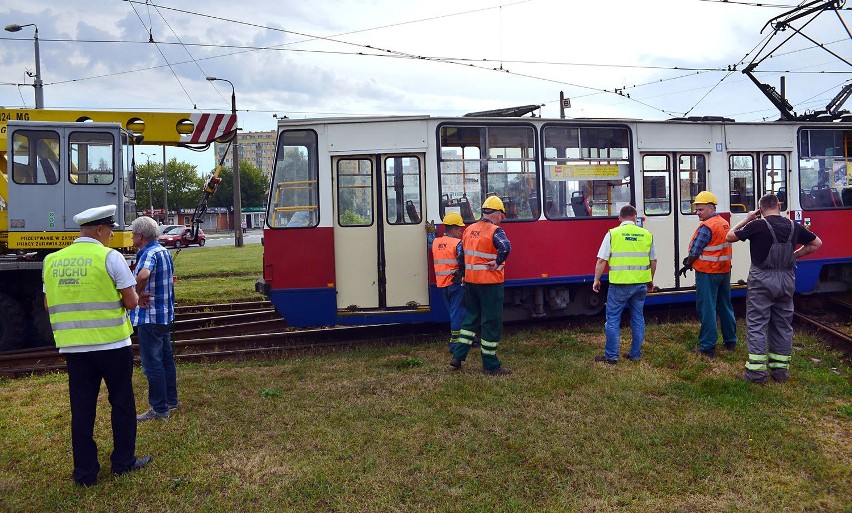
<point x="255" y="147"/>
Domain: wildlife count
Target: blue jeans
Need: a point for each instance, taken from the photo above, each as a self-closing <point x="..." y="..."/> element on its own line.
<point x="619" y="297"/>
<point x="712" y="298"/>
<point x="158" y="364"/>
<point x="454" y="301"/>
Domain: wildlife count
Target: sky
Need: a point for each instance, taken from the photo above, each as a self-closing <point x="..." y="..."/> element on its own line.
<point x="650" y="59"/>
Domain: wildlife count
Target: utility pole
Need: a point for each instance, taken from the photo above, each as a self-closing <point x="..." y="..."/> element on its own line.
<point x="37" y="83"/>
<point x="238" y="207"/>
<point x="165" y="190"/>
<point x="149" y="180"/>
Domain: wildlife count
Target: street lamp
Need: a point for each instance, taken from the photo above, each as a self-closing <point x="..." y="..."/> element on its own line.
<point x="238" y="208"/>
<point x="149" y="180"/>
<point x="38" y="85"/>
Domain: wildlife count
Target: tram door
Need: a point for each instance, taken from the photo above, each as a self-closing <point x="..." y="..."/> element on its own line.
<point x="670" y="183"/>
<point x="379" y="241"/>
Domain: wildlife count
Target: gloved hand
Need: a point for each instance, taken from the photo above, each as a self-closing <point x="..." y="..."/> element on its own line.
<point x="683" y="270"/>
<point x="430" y="227"/>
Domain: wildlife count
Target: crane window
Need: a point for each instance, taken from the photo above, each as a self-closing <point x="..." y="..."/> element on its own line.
<point x="480" y="161"/>
<point x="402" y="188"/>
<point x="586" y="171"/>
<point x="825" y="169"/>
<point x="354" y="192"/>
<point x="693" y="179"/>
<point x="91" y="158"/>
<point x="741" y="173"/>
<point x="656" y="173"/>
<point x="294" y="199"/>
<point x="35" y="157"/>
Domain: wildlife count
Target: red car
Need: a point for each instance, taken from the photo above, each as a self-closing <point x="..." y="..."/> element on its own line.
<point x="179" y="237"/>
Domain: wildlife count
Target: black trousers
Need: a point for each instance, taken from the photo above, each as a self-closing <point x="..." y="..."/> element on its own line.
<point x="85" y="371"/>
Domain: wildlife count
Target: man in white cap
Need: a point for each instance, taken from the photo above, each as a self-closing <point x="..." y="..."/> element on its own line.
<point x="88" y="290"/>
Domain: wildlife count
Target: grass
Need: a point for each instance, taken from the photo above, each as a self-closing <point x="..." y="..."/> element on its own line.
<point x="393" y="429"/>
<point x="218" y="275"/>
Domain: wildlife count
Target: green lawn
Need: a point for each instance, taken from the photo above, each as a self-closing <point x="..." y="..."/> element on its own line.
<point x="393" y="429"/>
<point x="218" y="275"/>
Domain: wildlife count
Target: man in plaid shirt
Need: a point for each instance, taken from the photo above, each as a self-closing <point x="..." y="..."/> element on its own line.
<point x="153" y="317"/>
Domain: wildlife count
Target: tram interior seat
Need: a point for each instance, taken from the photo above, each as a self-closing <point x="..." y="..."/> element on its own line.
<point x="782" y="197"/>
<point x="823" y="197"/>
<point x="511" y="208"/>
<point x="463" y="205"/>
<point x="533" y="203"/>
<point x="806" y="199"/>
<point x="580" y="205"/>
<point x="846" y="196"/>
<point x="411" y="210"/>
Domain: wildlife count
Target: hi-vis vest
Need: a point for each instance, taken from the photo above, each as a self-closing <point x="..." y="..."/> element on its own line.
<point x="478" y="243"/>
<point x="716" y="257"/>
<point x="444" y="257"/>
<point x="84" y="306"/>
<point x="630" y="255"/>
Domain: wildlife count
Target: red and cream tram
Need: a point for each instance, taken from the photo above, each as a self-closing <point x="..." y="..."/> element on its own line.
<point x="345" y="240"/>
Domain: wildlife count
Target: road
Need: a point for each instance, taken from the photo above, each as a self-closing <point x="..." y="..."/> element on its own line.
<point x="251" y="237"/>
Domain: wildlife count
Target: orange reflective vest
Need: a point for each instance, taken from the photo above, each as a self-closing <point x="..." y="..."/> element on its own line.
<point x="478" y="243"/>
<point x="444" y="258"/>
<point x="716" y="257"/>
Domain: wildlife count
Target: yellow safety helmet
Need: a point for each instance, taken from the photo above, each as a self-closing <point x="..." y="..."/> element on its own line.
<point x="705" y="197"/>
<point x="454" y="219"/>
<point x="494" y="203"/>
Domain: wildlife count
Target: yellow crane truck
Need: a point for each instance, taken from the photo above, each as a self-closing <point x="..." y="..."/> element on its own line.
<point x="56" y="163"/>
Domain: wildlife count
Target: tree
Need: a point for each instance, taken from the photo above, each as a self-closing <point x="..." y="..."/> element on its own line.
<point x="185" y="186"/>
<point x="254" y="187"/>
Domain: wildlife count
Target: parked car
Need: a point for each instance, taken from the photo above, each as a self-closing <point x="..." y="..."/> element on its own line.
<point x="178" y="236"/>
<point x="166" y="227"/>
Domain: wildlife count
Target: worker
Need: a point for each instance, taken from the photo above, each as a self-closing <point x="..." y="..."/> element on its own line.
<point x="88" y="291"/>
<point x="771" y="285"/>
<point x="486" y="249"/>
<point x="153" y="318"/>
<point x="629" y="250"/>
<point x="710" y="257"/>
<point x="448" y="258"/>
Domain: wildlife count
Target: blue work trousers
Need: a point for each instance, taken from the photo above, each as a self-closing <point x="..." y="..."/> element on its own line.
<point x="454" y="301"/>
<point x="619" y="297"/>
<point x="158" y="364"/>
<point x="712" y="298"/>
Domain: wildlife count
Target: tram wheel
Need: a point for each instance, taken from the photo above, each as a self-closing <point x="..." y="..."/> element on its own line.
<point x="591" y="303"/>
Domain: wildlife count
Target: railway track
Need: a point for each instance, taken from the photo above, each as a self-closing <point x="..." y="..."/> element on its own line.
<point x="244" y="330"/>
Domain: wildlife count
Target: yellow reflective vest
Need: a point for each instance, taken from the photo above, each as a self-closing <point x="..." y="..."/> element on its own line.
<point x="630" y="255"/>
<point x="84" y="306"/>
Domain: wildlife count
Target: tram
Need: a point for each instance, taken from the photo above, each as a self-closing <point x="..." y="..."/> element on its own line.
<point x="344" y="241"/>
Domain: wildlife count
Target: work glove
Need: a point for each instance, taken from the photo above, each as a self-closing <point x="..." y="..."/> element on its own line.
<point x="430" y="227"/>
<point x="683" y="270"/>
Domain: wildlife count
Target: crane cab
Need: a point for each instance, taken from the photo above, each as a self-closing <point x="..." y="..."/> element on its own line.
<point x="55" y="170"/>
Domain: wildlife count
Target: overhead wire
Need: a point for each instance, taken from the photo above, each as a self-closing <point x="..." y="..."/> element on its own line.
<point x="163" y="55"/>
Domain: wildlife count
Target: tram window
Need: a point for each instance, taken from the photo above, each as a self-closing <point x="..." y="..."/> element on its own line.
<point x="402" y="189"/>
<point x="656" y="188"/>
<point x="586" y="171"/>
<point x="741" y="173"/>
<point x="293" y="202"/>
<point x="481" y="161"/>
<point x="35" y="157"/>
<point x="825" y="160"/>
<point x="693" y="179"/>
<point x="92" y="158"/>
<point x="354" y="192"/>
<point x="775" y="177"/>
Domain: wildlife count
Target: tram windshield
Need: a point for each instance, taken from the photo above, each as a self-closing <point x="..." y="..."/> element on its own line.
<point x="825" y="169"/>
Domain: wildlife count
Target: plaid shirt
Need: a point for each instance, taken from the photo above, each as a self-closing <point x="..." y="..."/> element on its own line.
<point x="501" y="242"/>
<point x="158" y="261"/>
<point x="696" y="247"/>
